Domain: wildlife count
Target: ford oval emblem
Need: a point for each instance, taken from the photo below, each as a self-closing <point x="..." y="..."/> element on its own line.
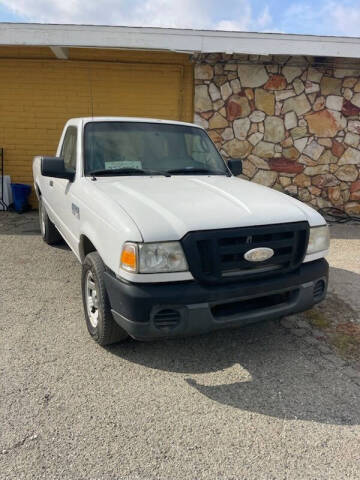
<point x="259" y="254"/>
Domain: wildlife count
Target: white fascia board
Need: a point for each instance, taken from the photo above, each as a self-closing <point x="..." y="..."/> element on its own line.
<point x="62" y="53"/>
<point x="187" y="41"/>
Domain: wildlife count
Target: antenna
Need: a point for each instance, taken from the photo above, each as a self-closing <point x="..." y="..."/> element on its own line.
<point x="91" y="91"/>
<point x="92" y="116"/>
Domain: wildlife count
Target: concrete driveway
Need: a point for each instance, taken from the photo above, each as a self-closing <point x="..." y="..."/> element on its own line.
<point x="278" y="400"/>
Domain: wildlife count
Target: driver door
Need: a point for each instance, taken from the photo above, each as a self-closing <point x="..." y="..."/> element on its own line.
<point x="63" y="190"/>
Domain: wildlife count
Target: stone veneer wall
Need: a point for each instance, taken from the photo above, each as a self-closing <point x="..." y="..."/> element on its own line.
<point x="296" y="126"/>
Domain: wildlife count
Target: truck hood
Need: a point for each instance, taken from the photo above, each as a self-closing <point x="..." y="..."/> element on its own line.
<point x="166" y="208"/>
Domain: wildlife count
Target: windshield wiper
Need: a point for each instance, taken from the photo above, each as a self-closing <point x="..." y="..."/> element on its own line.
<point x="192" y="170"/>
<point x="126" y="171"/>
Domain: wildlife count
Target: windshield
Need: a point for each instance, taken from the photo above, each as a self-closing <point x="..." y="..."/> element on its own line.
<point x="149" y="147"/>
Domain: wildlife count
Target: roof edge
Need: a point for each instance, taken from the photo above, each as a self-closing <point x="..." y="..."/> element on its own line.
<point x="173" y="39"/>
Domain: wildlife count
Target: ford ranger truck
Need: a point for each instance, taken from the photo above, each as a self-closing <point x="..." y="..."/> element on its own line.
<point x="171" y="242"/>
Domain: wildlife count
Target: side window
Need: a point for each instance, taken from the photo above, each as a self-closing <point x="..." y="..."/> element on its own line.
<point x="68" y="149"/>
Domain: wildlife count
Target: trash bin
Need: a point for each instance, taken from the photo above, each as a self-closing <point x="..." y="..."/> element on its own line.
<point x="21" y="194"/>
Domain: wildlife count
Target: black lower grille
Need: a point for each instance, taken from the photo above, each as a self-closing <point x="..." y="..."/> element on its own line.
<point x="217" y="256"/>
<point x="167" y="318"/>
<point x="242" y="307"/>
<point x="319" y="289"/>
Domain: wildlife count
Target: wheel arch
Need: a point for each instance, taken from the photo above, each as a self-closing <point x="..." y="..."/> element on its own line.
<point x="86" y="246"/>
<point x="37" y="191"/>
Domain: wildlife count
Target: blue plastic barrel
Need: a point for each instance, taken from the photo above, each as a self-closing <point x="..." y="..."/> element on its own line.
<point x="21" y="194"/>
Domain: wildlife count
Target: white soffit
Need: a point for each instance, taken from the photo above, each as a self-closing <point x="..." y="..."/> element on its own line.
<point x="187" y="41"/>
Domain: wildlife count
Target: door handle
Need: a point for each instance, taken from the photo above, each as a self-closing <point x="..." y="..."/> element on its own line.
<point x="51" y="183"/>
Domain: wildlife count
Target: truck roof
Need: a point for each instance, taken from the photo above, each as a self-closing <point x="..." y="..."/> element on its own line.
<point x="84" y="120"/>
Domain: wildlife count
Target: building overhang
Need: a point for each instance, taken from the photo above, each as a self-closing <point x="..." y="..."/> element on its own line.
<point x="61" y="37"/>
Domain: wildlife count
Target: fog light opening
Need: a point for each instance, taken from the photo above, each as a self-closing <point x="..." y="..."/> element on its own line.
<point x="319" y="289"/>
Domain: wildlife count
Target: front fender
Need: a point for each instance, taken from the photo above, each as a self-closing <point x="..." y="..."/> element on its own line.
<point x="89" y="232"/>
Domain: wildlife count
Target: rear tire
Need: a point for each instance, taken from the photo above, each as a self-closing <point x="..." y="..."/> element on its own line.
<point x="99" y="320"/>
<point x="49" y="232"/>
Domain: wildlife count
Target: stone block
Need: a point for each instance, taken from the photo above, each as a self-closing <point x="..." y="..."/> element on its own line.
<point x="265" y="177"/>
<point x="284" y="94"/>
<point x="203" y="72"/>
<point x="300" y="144"/>
<point x="317" y="170"/>
<point x="351" y="156"/>
<point x="354" y="126"/>
<point x="290" y="120"/>
<point x="235" y="86"/>
<point x="252" y="75"/>
<point x="264" y="150"/>
<point x="274" y="129"/>
<point x="302" y="180"/>
<point x="265" y="101"/>
<point x="237" y="148"/>
<point x="352" y="208"/>
<point x="299" y="86"/>
<point x="314" y="75"/>
<point x="255" y="138"/>
<point x="313" y="150"/>
<point x="276" y="82"/>
<point x="202" y="122"/>
<point x="228" y="134"/>
<point x="226" y="91"/>
<point x="347" y="173"/>
<point x="291" y="153"/>
<point x="257" y="116"/>
<point x="241" y="127"/>
<point x="299" y="105"/>
<point x="334" y="102"/>
<point x="214" y="92"/>
<point x="237" y="107"/>
<point x="324" y="123"/>
<point x="202" y="100"/>
<point x="330" y="86"/>
<point x="218" y="121"/>
<point x="349" y="109"/>
<point x="285" y="166"/>
<point x="352" y="139"/>
<point x="290" y="73"/>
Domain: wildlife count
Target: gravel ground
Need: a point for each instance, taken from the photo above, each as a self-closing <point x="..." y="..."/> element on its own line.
<point x="271" y="401"/>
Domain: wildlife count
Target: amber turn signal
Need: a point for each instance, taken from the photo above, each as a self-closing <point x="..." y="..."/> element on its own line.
<point x="129" y="257"/>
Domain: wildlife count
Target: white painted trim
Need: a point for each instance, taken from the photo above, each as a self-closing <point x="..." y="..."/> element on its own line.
<point x="62" y="53"/>
<point x="188" y="41"/>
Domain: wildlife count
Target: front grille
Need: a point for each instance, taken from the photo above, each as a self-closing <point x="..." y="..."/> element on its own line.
<point x="217" y="256"/>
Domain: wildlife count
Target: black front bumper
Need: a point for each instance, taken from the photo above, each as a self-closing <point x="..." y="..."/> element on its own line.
<point x="155" y="310"/>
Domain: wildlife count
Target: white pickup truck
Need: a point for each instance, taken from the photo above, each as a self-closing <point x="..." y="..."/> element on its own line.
<point x="171" y="242"/>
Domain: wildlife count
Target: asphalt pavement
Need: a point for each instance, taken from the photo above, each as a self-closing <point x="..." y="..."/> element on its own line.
<point x="262" y="402"/>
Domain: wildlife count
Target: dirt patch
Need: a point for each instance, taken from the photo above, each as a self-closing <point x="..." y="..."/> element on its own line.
<point x="339" y="325"/>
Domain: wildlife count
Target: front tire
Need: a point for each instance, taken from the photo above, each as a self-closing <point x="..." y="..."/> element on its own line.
<point x="99" y="320"/>
<point x="49" y="232"/>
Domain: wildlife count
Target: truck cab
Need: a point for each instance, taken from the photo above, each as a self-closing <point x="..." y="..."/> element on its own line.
<point x="171" y="241"/>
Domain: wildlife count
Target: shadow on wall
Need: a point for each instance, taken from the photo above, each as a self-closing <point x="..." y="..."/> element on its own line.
<point x="345" y="231"/>
<point x="279" y="375"/>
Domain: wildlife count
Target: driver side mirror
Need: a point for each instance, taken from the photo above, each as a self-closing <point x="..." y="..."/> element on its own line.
<point x="235" y="166"/>
<point x="55" y="167"/>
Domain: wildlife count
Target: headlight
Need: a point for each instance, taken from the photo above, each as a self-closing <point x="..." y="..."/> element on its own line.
<point x="319" y="239"/>
<point x="153" y="257"/>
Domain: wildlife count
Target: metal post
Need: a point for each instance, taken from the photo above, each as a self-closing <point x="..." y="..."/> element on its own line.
<point x="2" y="202"/>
